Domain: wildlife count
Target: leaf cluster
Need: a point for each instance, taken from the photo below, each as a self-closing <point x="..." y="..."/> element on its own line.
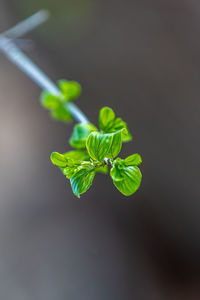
<point x="57" y="104"/>
<point x="96" y="152"/>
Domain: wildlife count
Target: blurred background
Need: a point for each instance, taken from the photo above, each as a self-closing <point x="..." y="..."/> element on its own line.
<point x="142" y="58"/>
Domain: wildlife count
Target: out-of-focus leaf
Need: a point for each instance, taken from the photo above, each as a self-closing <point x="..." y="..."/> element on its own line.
<point x="58" y="159"/>
<point x="80" y="135"/>
<point x="49" y="101"/>
<point x="70" y="89"/>
<point x="133" y="160"/>
<point x="61" y="113"/>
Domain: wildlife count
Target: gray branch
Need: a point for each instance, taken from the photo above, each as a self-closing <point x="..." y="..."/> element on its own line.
<point x="17" y="57"/>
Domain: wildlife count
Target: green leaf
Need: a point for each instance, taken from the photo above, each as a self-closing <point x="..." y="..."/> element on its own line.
<point x="108" y="123"/>
<point x="116" y="174"/>
<point x="80" y="134"/>
<point x="62" y="114"/>
<point x="70" y="171"/>
<point x="126" y="137"/>
<point x="70" y="89"/>
<point x="120" y="124"/>
<point x="82" y="180"/>
<point x="116" y="143"/>
<point x="58" y="159"/>
<point x="133" y="160"/>
<point x="127" y="179"/>
<point x="98" y="145"/>
<point x="74" y="166"/>
<point x="78" y="158"/>
<point x="56" y="105"/>
<point x="49" y="101"/>
<point x="77" y="155"/>
<point x="106" y="118"/>
<point x="101" y="145"/>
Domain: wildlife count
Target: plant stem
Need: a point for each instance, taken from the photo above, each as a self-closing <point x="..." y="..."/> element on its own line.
<point x="28" y="24"/>
<point x="25" y="64"/>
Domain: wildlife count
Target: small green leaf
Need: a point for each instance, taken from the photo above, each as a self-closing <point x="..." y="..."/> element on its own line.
<point x="120" y="124"/>
<point x="56" y="105"/>
<point x="108" y="123"/>
<point x="127" y="179"/>
<point x="74" y="166"/>
<point x="77" y="155"/>
<point x="49" y="101"/>
<point x="70" y="89"/>
<point x="116" y="174"/>
<point x="69" y="171"/>
<point x="82" y="180"/>
<point x="80" y="135"/>
<point x="79" y="158"/>
<point x="100" y="145"/>
<point x="61" y="113"/>
<point x="58" y="159"/>
<point x="106" y="118"/>
<point x="116" y="143"/>
<point x="126" y="137"/>
<point x="133" y="160"/>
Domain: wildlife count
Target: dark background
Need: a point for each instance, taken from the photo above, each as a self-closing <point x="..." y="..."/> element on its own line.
<point x="142" y="58"/>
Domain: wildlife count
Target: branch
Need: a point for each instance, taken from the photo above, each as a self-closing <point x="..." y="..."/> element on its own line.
<point x="17" y="57"/>
<point x="96" y="149"/>
<point x="27" y="25"/>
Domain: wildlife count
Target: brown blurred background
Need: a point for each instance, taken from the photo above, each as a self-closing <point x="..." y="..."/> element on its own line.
<point x="142" y="58"/>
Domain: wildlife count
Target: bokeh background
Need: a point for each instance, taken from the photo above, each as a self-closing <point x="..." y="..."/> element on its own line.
<point x="142" y="58"/>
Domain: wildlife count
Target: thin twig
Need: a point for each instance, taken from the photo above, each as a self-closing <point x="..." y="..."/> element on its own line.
<point x="27" y="25"/>
<point x="25" y="64"/>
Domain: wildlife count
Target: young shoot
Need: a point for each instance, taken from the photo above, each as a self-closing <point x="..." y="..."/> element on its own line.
<point x="96" y="150"/>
